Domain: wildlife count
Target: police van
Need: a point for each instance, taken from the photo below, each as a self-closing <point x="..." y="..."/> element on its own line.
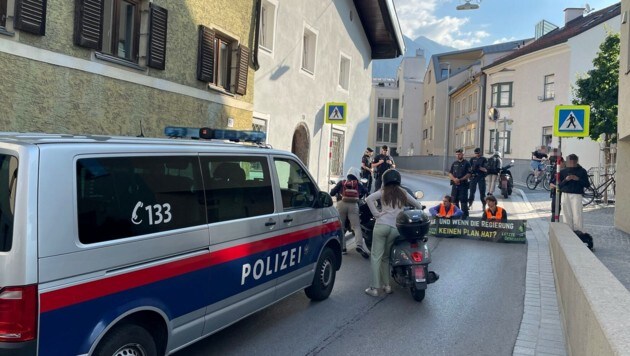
<point x="140" y="246"/>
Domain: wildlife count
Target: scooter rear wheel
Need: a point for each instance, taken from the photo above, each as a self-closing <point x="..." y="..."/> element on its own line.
<point x="417" y="294"/>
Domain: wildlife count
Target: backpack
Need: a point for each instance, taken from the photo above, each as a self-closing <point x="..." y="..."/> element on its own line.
<point x="493" y="165"/>
<point x="350" y="191"/>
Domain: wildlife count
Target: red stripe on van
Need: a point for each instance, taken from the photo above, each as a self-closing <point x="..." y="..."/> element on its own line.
<point x="91" y="290"/>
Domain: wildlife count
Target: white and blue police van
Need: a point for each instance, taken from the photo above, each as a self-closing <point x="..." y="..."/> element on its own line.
<point x="142" y="246"/>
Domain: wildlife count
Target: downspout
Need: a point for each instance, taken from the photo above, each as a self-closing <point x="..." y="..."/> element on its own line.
<point x="256" y="34"/>
<point x="482" y="109"/>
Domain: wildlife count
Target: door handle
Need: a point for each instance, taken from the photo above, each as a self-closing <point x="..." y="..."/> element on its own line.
<point x="270" y="223"/>
<point x="288" y="219"/>
<point x="325" y="221"/>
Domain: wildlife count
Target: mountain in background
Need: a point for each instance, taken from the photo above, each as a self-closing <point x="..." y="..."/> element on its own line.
<point x="386" y="68"/>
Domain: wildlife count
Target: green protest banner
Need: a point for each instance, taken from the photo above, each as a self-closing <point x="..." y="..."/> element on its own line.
<point x="512" y="231"/>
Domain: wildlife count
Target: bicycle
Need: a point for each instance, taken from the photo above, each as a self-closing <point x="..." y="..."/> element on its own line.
<point x="593" y="192"/>
<point x="547" y="173"/>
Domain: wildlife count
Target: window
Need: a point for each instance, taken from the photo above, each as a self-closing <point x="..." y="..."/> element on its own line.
<point x="547" y="135"/>
<point x="426" y="105"/>
<point x="121" y="35"/>
<point x="387" y="132"/>
<point x="267" y="25"/>
<point x="432" y="103"/>
<point x="549" y="87"/>
<point x="444" y="72"/>
<point x="475" y="98"/>
<point x="236" y="187"/>
<point x="431" y="133"/>
<point x="503" y="144"/>
<point x="130" y="196"/>
<point x="344" y="72"/>
<point x="395" y="106"/>
<point x="502" y="95"/>
<point x="336" y="158"/>
<point x="464" y="101"/>
<point x="222" y="62"/>
<point x="388" y="108"/>
<point x="8" y="182"/>
<point x="112" y="27"/>
<point x="297" y="189"/>
<point x="429" y="77"/>
<point x="425" y="134"/>
<point x="458" y="109"/>
<point x="470" y="101"/>
<point x="309" y="47"/>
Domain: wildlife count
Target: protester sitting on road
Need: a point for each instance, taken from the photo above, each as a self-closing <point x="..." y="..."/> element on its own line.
<point x="494" y="212"/>
<point x="446" y="209"/>
<point x="393" y="200"/>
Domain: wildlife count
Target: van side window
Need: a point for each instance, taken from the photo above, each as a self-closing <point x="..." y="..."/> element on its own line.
<point x="237" y="187"/>
<point x="8" y="185"/>
<point x="298" y="191"/>
<point x="121" y="197"/>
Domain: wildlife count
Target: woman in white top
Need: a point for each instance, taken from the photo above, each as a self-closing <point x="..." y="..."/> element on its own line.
<point x="393" y="200"/>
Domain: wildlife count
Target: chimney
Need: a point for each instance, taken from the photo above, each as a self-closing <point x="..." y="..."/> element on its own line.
<point x="419" y="52"/>
<point x="572" y="13"/>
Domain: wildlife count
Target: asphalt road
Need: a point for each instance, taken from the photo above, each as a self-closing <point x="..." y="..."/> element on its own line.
<point x="475" y="308"/>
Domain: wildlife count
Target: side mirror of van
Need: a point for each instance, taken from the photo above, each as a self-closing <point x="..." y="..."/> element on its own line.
<point x="324" y="200"/>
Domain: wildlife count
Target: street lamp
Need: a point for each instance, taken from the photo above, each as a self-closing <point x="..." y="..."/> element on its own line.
<point x="468" y="6"/>
<point x="447" y="122"/>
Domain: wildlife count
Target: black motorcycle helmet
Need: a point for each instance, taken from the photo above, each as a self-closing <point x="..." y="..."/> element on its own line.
<point x="391" y="176"/>
<point x="412" y="223"/>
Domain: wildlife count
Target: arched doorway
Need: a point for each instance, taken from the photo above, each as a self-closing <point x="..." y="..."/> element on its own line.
<point x="301" y="144"/>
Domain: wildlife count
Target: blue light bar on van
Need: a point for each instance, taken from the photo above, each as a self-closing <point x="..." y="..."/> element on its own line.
<point x="215" y="134"/>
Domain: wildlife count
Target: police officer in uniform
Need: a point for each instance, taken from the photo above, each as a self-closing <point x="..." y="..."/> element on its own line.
<point x="478" y="177"/>
<point x="459" y="174"/>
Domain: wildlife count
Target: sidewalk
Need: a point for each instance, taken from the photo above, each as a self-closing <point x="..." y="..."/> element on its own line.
<point x="611" y="246"/>
<point x="541" y="329"/>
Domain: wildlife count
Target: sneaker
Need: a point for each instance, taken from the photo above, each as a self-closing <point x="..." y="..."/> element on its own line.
<point x="362" y="252"/>
<point x="387" y="289"/>
<point x="372" y="291"/>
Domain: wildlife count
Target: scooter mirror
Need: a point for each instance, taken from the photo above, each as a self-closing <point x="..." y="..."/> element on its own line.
<point x="418" y="194"/>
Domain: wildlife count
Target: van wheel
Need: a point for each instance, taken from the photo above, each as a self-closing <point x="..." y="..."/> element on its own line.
<point x="324" y="278"/>
<point x="127" y="340"/>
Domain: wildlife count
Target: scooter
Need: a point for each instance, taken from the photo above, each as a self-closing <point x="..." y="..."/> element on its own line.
<point x="409" y="256"/>
<point x="506" y="183"/>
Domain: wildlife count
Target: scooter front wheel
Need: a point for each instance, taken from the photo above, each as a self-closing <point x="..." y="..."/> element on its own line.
<point x="417" y="294"/>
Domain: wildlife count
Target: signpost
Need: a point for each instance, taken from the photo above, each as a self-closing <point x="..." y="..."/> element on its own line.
<point x="569" y="121"/>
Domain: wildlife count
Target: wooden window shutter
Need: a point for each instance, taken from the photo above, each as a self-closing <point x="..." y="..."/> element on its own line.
<point x="205" y="60"/>
<point x="88" y="23"/>
<point x="243" y="69"/>
<point x="30" y="16"/>
<point x="156" y="56"/>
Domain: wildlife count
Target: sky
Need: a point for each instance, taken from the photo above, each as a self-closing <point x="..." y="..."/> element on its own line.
<point x="495" y="21"/>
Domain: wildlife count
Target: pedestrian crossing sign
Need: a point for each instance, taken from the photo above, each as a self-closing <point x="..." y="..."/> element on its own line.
<point x="336" y="113"/>
<point x="571" y="121"/>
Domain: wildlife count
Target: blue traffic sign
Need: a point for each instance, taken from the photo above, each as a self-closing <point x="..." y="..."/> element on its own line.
<point x="571" y="121"/>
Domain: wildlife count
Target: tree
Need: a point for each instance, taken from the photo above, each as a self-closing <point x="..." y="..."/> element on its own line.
<point x="600" y="90"/>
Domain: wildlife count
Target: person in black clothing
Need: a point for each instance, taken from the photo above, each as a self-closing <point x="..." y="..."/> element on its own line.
<point x="366" y="167"/>
<point x="573" y="180"/>
<point x="538" y="157"/>
<point x="552" y="186"/>
<point x="478" y="177"/>
<point x="380" y="164"/>
<point x="459" y="174"/>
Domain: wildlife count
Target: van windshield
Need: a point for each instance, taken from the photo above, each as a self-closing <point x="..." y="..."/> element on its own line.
<point x="8" y="184"/>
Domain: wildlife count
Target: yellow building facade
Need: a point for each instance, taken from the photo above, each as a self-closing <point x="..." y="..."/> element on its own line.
<point x="118" y="67"/>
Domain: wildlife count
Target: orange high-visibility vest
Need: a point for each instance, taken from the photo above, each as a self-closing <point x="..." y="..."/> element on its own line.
<point x="443" y="212"/>
<point x="498" y="216"/>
